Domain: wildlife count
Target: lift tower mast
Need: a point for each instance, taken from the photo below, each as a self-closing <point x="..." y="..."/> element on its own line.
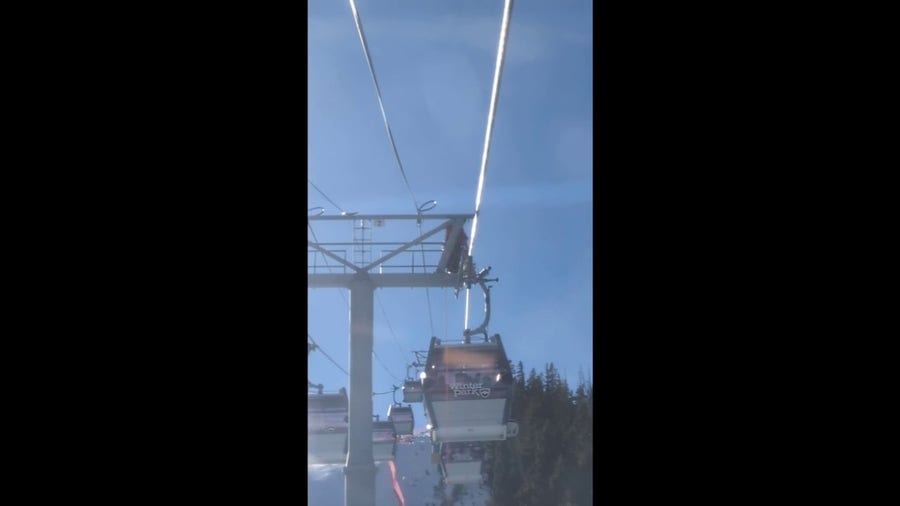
<point x="362" y="278"/>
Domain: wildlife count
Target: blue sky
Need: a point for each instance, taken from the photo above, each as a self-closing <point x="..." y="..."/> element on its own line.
<point x="435" y="65"/>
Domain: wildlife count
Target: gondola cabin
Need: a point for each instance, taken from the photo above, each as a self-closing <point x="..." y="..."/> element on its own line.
<point x="462" y="463"/>
<point x="468" y="391"/>
<point x="402" y="418"/>
<point x="412" y="391"/>
<point x="327" y="428"/>
<point x="384" y="442"/>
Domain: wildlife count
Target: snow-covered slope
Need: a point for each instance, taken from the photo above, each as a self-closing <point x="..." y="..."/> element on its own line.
<point x="418" y="477"/>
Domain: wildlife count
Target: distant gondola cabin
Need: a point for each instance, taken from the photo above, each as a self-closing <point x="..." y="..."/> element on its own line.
<point x="412" y="391"/>
<point x="327" y="427"/>
<point x="402" y="418"/>
<point x="384" y="442"/>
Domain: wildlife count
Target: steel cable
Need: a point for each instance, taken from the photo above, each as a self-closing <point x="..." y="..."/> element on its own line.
<point x="495" y="93"/>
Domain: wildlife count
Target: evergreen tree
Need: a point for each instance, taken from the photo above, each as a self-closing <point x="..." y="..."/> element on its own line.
<point x="551" y="461"/>
<point x="520" y="375"/>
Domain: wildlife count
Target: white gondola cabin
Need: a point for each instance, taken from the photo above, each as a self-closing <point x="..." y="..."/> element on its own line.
<point x="327" y="428"/>
<point x="468" y="391"/>
<point x="402" y="418"/>
<point x="384" y="441"/>
<point x="412" y="391"/>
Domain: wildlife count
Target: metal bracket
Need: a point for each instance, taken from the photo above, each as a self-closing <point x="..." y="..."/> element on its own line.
<point x="482" y="281"/>
<point x="309" y="348"/>
<point x="394" y="395"/>
<point x="421" y="358"/>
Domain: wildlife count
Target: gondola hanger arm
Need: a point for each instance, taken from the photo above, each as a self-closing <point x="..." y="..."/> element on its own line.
<point x="482" y="281"/>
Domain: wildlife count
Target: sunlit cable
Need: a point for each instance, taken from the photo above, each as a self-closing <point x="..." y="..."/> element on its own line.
<point x="495" y="93"/>
<point x="323" y="194"/>
<point x="387" y="126"/>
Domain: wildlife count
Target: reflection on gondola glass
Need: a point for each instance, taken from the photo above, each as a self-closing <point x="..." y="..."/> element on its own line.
<point x="463" y="462"/>
<point x="462" y="452"/>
